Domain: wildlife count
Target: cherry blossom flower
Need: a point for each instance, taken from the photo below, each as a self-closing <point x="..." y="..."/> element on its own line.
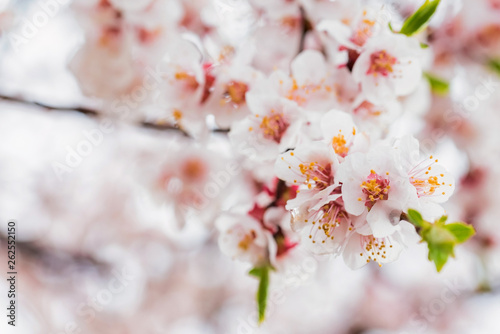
<point x="313" y="84"/>
<point x="374" y="120"/>
<point x="355" y="32"/>
<point x="372" y="184"/>
<point x="362" y="249"/>
<point x="388" y="67"/>
<point x="341" y="133"/>
<point x="244" y="238"/>
<point x="272" y="127"/>
<point x="432" y="182"/>
<point x="187" y="182"/>
<point x="227" y="101"/>
<point x="277" y="38"/>
<point x="317" y="211"/>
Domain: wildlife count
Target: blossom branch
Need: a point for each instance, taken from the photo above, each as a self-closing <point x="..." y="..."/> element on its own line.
<point x="92" y="113"/>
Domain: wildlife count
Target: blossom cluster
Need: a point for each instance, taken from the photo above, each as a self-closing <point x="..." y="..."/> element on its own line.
<point x="314" y="97"/>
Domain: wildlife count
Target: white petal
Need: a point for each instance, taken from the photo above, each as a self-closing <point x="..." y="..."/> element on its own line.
<point x="381" y="218"/>
<point x="309" y="67"/>
<point x="352" y="251"/>
<point x="339" y="31"/>
<point x="406" y="76"/>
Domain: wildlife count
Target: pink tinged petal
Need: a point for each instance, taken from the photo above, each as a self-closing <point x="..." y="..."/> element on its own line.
<point x="352" y="252"/>
<point x="430" y="211"/>
<point x="351" y="194"/>
<point x="301" y="198"/>
<point x="324" y="201"/>
<point x="309" y="67"/>
<point x="432" y="181"/>
<point x="309" y="164"/>
<point x="243" y="238"/>
<point x="286" y="168"/>
<point x="351" y="178"/>
<point x="406" y="234"/>
<point x="273" y="248"/>
<point x="407" y="148"/>
<point x="378" y="89"/>
<point x="338" y="129"/>
<point x="361" y="250"/>
<point x="361" y="66"/>
<point x="257" y="103"/>
<point x="406" y="76"/>
<point x="339" y="31"/>
<point x="360" y="224"/>
<point x="382" y="218"/>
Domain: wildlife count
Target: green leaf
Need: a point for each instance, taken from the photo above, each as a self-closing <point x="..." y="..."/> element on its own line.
<point x="440" y="243"/>
<point x="441" y="238"/>
<point x="461" y="231"/>
<point x="263" y="274"/>
<point x="424" y="46"/>
<point x="442" y="220"/>
<point x="255" y="272"/>
<point x="438" y="235"/>
<point x="415" y="23"/>
<point x="415" y="218"/>
<point x="494" y="64"/>
<point x="438" y="85"/>
<point x="439" y="254"/>
<point x="390" y="26"/>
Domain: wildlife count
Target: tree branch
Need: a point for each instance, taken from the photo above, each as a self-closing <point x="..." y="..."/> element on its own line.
<point x="93" y="113"/>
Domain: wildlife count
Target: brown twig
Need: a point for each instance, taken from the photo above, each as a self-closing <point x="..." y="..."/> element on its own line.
<point x="52" y="259"/>
<point x="93" y="113"/>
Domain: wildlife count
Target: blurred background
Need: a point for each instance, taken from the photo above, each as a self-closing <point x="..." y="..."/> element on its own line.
<point x="100" y="251"/>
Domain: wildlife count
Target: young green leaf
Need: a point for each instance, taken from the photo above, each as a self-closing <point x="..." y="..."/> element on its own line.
<point x="441" y="221"/>
<point x="416" y="22"/>
<point x="441" y="238"/>
<point x="438" y="85"/>
<point x="440" y="243"/>
<point x="461" y="231"/>
<point x="390" y="27"/>
<point x="415" y="218"/>
<point x="439" y="253"/>
<point x="494" y="64"/>
<point x="263" y="274"/>
<point x="256" y="272"/>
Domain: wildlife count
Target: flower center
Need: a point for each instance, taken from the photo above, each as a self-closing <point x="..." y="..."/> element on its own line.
<point x="247" y="240"/>
<point x="188" y="79"/>
<point x="235" y="92"/>
<point x="373" y="248"/>
<point x="290" y="22"/>
<point x="424" y="183"/>
<point x="147" y="36"/>
<point x="363" y="32"/>
<point x="339" y="145"/>
<point x="425" y="187"/>
<point x="274" y="126"/>
<point x="321" y="175"/>
<point x="177" y="114"/>
<point x="376" y="188"/>
<point x="495" y="4"/>
<point x="302" y="94"/>
<point x="367" y="109"/>
<point x="489" y="36"/>
<point x="193" y="170"/>
<point x="381" y="63"/>
<point x="324" y="221"/>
